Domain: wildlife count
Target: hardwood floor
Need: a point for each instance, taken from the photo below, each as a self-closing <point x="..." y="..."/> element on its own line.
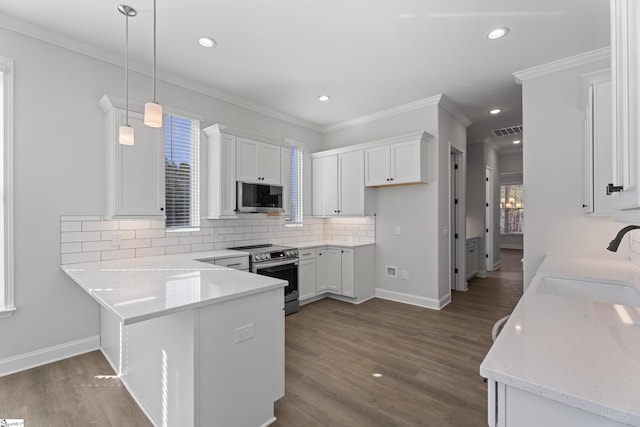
<point x="79" y="391"/>
<point x="429" y="362"/>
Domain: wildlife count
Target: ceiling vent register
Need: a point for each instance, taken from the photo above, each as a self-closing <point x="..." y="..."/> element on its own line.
<point x="513" y="130"/>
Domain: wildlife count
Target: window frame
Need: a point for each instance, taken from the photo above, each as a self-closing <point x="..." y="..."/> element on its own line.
<point x="195" y="208"/>
<point x="6" y="130"/>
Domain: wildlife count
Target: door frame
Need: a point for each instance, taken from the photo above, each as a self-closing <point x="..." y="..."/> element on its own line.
<point x="488" y="219"/>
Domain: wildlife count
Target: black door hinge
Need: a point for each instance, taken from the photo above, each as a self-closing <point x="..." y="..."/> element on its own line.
<point x="456" y="271"/>
<point x="486" y="179"/>
<point x="486" y="255"/>
<point x="455" y="201"/>
<point x="455" y="235"/>
<point x="455" y="166"/>
<point x="487" y="204"/>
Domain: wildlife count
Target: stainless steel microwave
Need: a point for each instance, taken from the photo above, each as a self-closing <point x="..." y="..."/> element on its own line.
<point x="259" y="197"/>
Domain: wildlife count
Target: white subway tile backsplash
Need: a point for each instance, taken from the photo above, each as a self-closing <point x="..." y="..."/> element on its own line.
<point x="156" y="251"/>
<point x="80" y="257"/>
<point x="102" y="245"/>
<point x="89" y="238"/>
<point x="123" y="234"/>
<point x="135" y="224"/>
<point x="70" y="226"/>
<point x="69" y="248"/>
<point x="80" y="236"/>
<point x="149" y="234"/>
<point x="177" y="249"/>
<point x="118" y="254"/>
<point x="100" y="225"/>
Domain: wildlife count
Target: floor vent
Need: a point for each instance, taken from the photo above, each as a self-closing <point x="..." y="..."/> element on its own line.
<point x="513" y="130"/>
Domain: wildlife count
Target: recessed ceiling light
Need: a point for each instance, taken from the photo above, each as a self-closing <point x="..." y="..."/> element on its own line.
<point x="517" y="141"/>
<point x="324" y="98"/>
<point x="207" y="42"/>
<point x="497" y="33"/>
<point x="495" y="111"/>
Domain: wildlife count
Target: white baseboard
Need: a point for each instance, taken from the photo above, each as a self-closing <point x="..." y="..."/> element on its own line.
<point x="510" y="246"/>
<point x="418" y="300"/>
<point x="497" y="265"/>
<point x="21" y="362"/>
<point x="482" y="274"/>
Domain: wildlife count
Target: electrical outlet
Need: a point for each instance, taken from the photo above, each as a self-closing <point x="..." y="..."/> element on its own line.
<point x="244" y="333"/>
<point x="391" y="271"/>
<point x="115" y="239"/>
<point x="405" y="275"/>
<point x="445" y="230"/>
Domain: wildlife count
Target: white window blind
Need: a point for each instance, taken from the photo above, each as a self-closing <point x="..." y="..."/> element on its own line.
<point x="6" y="187"/>
<point x="296" y="185"/>
<point x="182" y="175"/>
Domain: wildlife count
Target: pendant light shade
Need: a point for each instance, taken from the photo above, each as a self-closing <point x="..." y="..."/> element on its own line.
<point x="125" y="132"/>
<point x="153" y="114"/>
<point x="153" y="110"/>
<point x="125" y="135"/>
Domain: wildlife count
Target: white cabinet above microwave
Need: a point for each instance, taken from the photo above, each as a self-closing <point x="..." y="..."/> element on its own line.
<point x="258" y="162"/>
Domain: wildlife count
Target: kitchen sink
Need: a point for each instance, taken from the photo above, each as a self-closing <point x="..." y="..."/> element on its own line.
<point x="610" y="293"/>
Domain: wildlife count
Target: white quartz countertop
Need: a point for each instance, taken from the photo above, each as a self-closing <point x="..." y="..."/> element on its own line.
<point x="335" y="243"/>
<point x="144" y="288"/>
<point x="577" y="351"/>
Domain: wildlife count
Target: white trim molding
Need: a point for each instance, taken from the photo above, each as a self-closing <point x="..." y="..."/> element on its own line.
<point x="562" y="64"/>
<point x="6" y="144"/>
<point x="21" y="362"/>
<point x="420" y="301"/>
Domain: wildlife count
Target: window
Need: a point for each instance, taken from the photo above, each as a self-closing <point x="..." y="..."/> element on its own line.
<point x="511" y="209"/>
<point x="297" y="161"/>
<point x="6" y="187"/>
<point x="182" y="174"/>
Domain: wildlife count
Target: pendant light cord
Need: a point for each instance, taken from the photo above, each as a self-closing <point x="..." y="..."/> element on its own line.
<point x="126" y="67"/>
<point x="154" y="51"/>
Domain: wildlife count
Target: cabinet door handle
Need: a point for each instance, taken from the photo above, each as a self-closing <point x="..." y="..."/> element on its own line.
<point x="613" y="189"/>
<point x="234" y="265"/>
<point x="306" y="254"/>
<point x="161" y="209"/>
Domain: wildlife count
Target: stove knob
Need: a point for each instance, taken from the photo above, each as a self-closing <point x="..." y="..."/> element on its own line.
<point x="267" y="256"/>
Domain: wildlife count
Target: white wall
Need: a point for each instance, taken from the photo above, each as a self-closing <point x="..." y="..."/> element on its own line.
<point x="59" y="170"/>
<point x="554" y="172"/>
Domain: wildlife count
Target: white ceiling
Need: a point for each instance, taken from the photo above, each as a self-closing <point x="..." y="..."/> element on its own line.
<point x="368" y="55"/>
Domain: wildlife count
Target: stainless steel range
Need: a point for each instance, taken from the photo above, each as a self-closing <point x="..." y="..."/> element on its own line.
<point x="280" y="262"/>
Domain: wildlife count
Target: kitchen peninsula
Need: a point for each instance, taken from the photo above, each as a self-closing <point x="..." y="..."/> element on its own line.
<point x="194" y="343"/>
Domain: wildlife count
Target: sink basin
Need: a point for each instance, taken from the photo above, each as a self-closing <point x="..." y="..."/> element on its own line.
<point x="610" y="293"/>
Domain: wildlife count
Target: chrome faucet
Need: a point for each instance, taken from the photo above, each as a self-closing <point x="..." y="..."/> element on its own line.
<point x="613" y="246"/>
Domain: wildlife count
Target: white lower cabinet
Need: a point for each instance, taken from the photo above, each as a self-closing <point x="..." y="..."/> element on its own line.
<point x="472" y="259"/>
<point x="307" y="274"/>
<point x="513" y="407"/>
<point x="344" y="273"/>
<point x="334" y="270"/>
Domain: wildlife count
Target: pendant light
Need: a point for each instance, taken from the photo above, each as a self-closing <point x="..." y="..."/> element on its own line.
<point x="125" y="132"/>
<point x="153" y="110"/>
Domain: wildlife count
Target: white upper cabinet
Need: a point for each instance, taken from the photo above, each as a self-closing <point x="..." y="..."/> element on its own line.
<point x="597" y="104"/>
<point x="134" y="173"/>
<point x="258" y="162"/>
<point x="625" y="69"/>
<point x="402" y="160"/>
<point x="325" y="185"/>
<point x="338" y="184"/>
<point x="221" y="188"/>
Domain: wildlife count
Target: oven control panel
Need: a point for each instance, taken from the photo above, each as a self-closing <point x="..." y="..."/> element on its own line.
<point x="280" y="254"/>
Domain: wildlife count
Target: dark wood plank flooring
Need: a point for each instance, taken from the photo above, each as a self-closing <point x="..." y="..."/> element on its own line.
<point x="429" y="362"/>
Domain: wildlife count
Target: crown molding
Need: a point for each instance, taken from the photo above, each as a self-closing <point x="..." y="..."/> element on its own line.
<point x="390" y="112"/>
<point x="562" y="64"/>
<point x="453" y="110"/>
<point x="59" y="40"/>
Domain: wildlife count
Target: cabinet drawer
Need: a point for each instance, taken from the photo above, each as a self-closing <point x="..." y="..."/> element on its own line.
<point x="307" y="253"/>
<point x="238" y="262"/>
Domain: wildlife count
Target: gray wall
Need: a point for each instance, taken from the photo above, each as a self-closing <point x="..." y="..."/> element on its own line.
<point x="59" y="170"/>
<point x="419" y="209"/>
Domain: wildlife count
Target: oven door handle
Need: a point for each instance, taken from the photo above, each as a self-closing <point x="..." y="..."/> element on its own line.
<point x="266" y="266"/>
